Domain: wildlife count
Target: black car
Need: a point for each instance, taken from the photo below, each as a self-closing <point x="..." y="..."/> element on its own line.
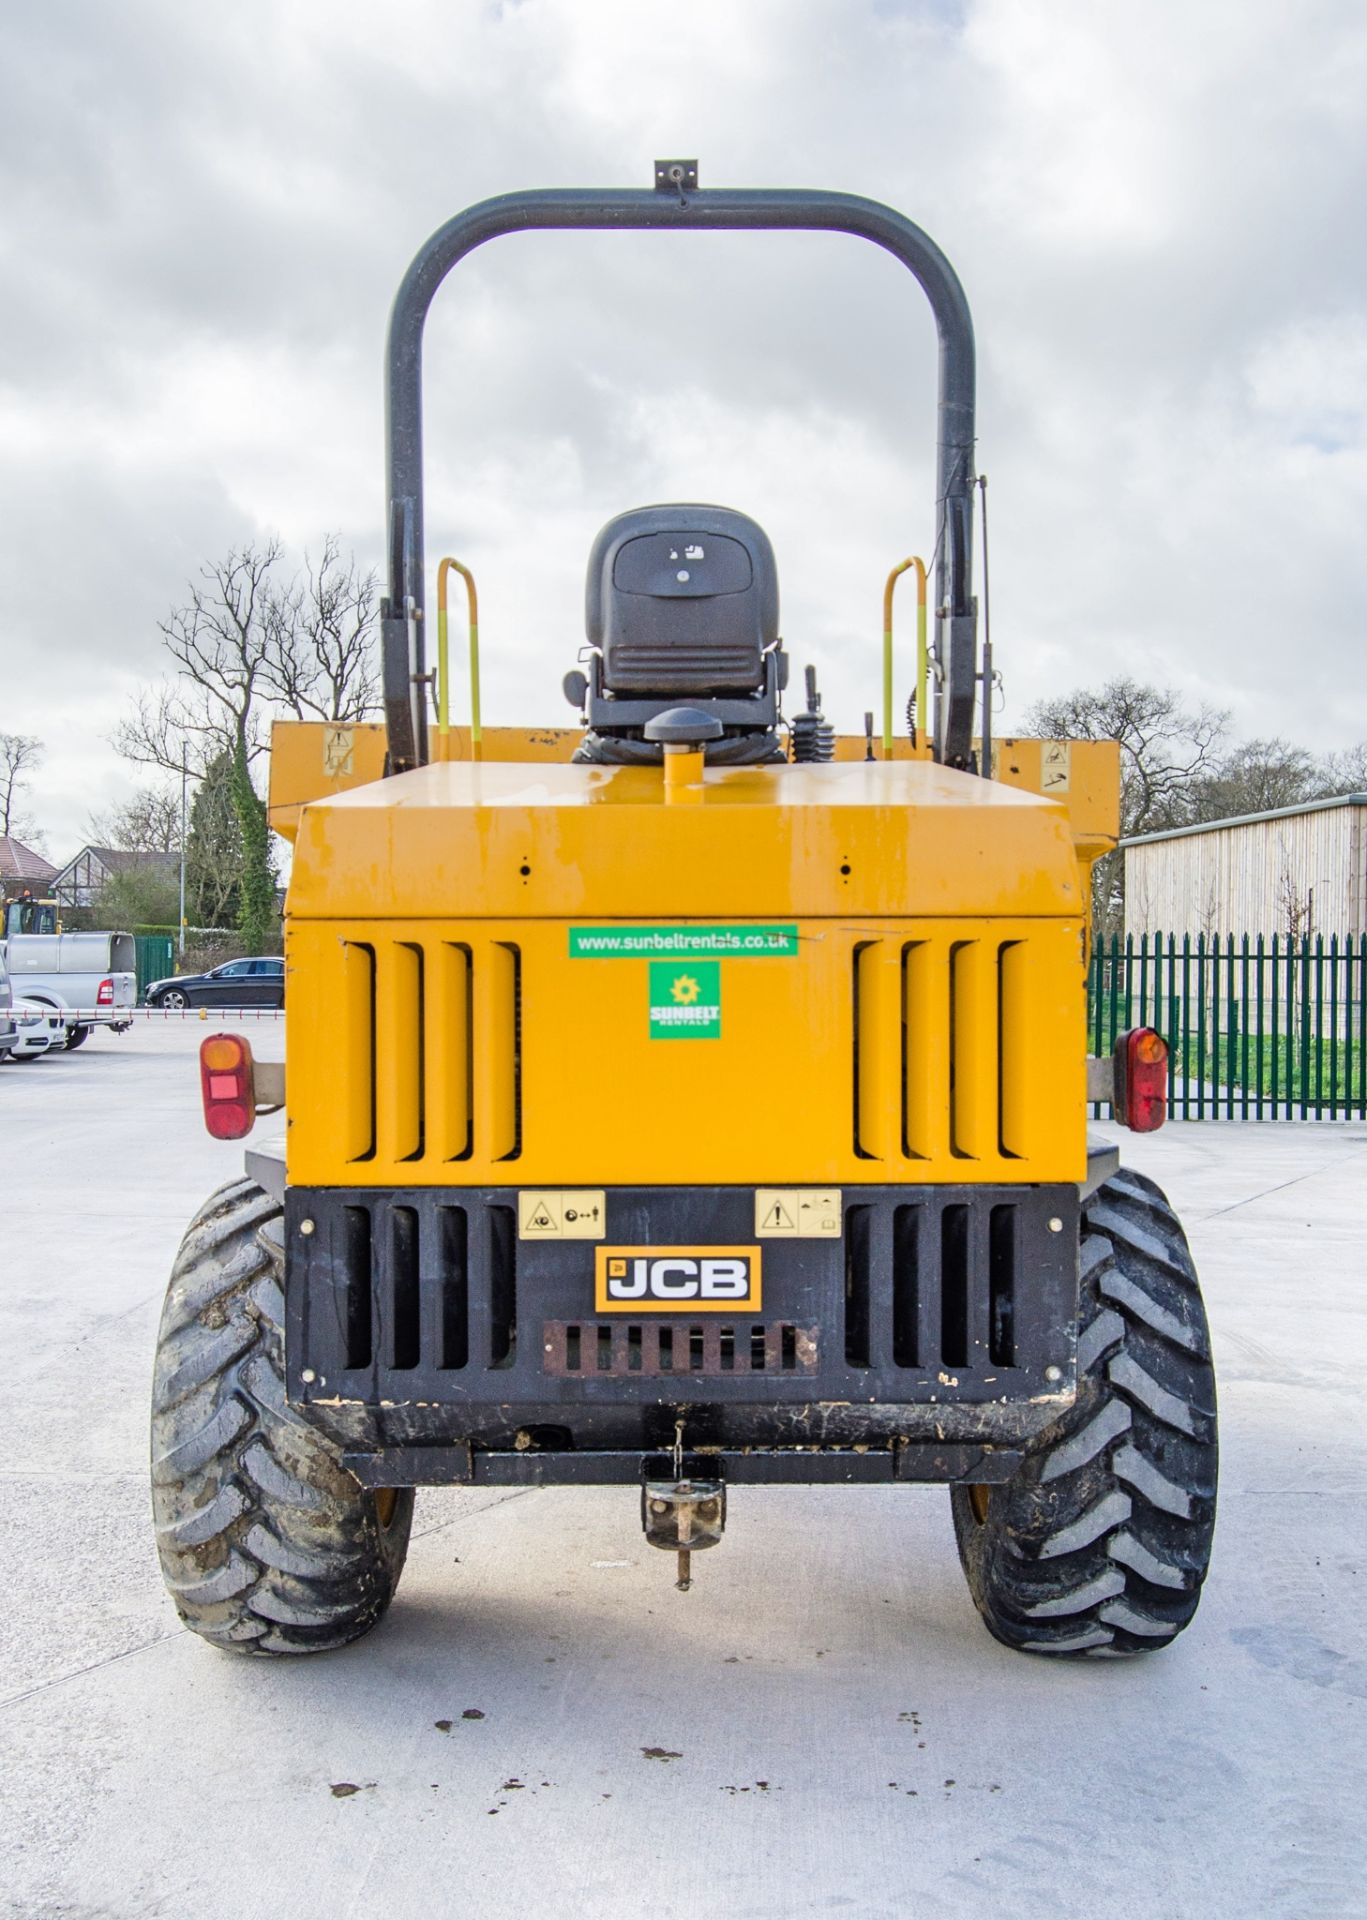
<point x="238" y="983"/>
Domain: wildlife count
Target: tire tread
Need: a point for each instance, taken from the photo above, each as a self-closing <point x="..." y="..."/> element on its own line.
<point x="1100" y="1543"/>
<point x="267" y="1544"/>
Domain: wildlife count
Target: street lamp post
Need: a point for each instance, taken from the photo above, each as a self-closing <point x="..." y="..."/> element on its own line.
<point x="184" y="780"/>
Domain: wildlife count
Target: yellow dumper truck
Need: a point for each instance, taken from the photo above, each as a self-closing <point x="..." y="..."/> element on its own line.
<point x="684" y="1097"/>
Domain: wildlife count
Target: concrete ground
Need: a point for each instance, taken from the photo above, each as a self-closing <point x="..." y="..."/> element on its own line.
<point x="821" y="1727"/>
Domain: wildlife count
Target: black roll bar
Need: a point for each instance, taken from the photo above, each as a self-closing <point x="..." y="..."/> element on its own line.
<point x="677" y="205"/>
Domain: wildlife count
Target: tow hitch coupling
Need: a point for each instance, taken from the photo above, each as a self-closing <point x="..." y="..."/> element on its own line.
<point x="684" y="1514"/>
<point x="683" y="1517"/>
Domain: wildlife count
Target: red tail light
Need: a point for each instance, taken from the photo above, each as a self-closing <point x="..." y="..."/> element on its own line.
<point x="225" y="1077"/>
<point x="105" y="996"/>
<point x="1140" y="1094"/>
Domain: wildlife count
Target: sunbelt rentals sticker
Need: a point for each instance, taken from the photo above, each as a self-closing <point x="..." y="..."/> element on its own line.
<point x="685" y="999"/>
<point x="684" y="965"/>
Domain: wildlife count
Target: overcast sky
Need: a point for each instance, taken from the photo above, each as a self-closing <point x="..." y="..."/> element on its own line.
<point x="1157" y="212"/>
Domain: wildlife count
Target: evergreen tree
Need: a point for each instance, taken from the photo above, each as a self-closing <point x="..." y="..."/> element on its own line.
<point x="256" y="913"/>
<point x="213" y="855"/>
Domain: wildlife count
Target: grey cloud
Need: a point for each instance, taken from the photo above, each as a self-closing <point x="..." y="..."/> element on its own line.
<point x="1148" y="212"/>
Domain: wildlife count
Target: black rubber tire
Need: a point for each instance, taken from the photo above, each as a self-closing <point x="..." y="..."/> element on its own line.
<point x="76" y="1037"/>
<point x="267" y="1544"/>
<point x="1100" y="1542"/>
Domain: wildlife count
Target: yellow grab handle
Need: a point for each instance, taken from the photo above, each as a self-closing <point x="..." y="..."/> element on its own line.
<point x="443" y="661"/>
<point x="922" y="660"/>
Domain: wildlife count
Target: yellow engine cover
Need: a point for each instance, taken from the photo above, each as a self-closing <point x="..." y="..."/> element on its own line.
<point x="879" y="967"/>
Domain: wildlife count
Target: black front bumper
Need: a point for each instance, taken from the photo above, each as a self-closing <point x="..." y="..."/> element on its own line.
<point x="419" y="1328"/>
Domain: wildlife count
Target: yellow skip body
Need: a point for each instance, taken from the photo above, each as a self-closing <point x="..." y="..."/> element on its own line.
<point x="926" y="1024"/>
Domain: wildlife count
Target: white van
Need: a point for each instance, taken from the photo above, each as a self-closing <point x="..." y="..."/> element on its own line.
<point x="92" y="977"/>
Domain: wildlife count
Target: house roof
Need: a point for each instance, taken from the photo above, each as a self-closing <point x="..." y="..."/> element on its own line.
<point x="1246" y="819"/>
<point x="18" y="862"/>
<point x="119" y="860"/>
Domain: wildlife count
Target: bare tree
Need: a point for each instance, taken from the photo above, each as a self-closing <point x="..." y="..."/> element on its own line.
<point x="320" y="661"/>
<point x="244" y="646"/>
<point x="1165" y="747"/>
<point x="1210" y="911"/>
<point x="219" y="642"/>
<point x="1262" y="776"/>
<point x="1295" y="901"/>
<point x="248" y="645"/>
<point x="20" y="753"/>
<point x="167" y="721"/>
<point x="218" y="706"/>
<point x="148" y="823"/>
<point x="1256" y="776"/>
<point x="1344" y="772"/>
<point x="1295" y="908"/>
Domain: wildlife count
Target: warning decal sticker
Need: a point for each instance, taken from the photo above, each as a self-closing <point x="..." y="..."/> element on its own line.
<point x="575" y="1215"/>
<point x="798" y="1213"/>
<point x="1054" y="759"/>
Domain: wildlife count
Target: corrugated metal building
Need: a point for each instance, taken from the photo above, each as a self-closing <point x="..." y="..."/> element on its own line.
<point x="1296" y="872"/>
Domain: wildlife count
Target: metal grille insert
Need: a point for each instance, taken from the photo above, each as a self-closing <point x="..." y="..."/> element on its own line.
<point x="657" y="1348"/>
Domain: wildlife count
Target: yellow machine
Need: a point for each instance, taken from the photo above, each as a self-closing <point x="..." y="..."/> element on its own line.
<point x="686" y="1097"/>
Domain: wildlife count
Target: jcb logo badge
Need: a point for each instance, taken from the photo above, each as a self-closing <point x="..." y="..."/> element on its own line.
<point x="665" y="1279"/>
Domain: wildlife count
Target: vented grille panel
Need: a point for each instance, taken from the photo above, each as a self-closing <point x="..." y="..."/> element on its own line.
<point x="401" y="1288"/>
<point x="955" y="1050"/>
<point x="653" y="1348"/>
<point x="433" y="1050"/>
<point x="950" y="1271"/>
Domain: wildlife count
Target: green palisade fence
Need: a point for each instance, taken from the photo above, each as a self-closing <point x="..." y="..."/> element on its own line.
<point x="156" y="958"/>
<point x="1257" y="1029"/>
